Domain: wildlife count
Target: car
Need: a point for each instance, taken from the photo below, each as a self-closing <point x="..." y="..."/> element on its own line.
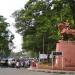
<point x="4" y="62"/>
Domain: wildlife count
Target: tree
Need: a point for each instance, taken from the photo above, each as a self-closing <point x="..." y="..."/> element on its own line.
<point x="72" y="6"/>
<point x="38" y="21"/>
<point x="4" y="37"/>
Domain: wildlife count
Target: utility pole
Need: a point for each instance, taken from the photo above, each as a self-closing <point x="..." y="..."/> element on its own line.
<point x="43" y="44"/>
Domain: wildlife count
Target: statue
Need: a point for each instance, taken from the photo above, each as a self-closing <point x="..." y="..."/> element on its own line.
<point x="66" y="32"/>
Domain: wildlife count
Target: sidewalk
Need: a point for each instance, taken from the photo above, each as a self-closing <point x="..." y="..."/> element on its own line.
<point x="52" y="71"/>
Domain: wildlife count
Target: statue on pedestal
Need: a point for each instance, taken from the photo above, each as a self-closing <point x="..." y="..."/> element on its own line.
<point x="66" y="32"/>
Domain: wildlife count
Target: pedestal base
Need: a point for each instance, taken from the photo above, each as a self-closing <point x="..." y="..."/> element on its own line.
<point x="68" y="49"/>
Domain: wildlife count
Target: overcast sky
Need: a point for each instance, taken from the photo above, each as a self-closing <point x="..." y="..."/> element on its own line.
<point x="7" y="7"/>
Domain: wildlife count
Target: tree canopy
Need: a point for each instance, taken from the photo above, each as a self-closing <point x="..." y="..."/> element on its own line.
<point x="5" y="38"/>
<point x="38" y="21"/>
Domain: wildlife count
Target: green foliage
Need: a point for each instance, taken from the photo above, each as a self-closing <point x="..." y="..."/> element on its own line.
<point x="46" y="16"/>
<point x="4" y="37"/>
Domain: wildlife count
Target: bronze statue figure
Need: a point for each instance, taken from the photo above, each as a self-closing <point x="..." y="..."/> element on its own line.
<point x="66" y="32"/>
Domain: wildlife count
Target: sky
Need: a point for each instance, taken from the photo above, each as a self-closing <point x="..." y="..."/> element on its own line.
<point x="7" y="7"/>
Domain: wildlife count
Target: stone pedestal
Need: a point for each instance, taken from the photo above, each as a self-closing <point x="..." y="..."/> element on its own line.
<point x="68" y="49"/>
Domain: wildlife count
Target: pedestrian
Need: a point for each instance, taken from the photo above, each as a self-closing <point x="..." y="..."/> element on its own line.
<point x="18" y="63"/>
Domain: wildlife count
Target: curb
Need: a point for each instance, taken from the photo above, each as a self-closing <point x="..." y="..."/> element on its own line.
<point x="52" y="71"/>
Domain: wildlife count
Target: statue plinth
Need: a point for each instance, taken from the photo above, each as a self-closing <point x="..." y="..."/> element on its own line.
<point x="68" y="49"/>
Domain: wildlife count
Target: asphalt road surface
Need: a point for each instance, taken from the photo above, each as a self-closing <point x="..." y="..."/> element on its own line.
<point x="23" y="71"/>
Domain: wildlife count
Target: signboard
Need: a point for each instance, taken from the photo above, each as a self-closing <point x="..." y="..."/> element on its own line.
<point x="43" y="56"/>
<point x="54" y="53"/>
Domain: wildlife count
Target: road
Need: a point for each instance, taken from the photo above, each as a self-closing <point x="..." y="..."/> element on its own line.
<point x="23" y="71"/>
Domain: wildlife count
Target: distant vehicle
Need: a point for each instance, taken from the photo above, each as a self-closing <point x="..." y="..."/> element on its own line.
<point x="4" y="62"/>
<point x="11" y="62"/>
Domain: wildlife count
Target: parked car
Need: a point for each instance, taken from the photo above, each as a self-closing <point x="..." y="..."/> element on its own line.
<point x="4" y="62"/>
